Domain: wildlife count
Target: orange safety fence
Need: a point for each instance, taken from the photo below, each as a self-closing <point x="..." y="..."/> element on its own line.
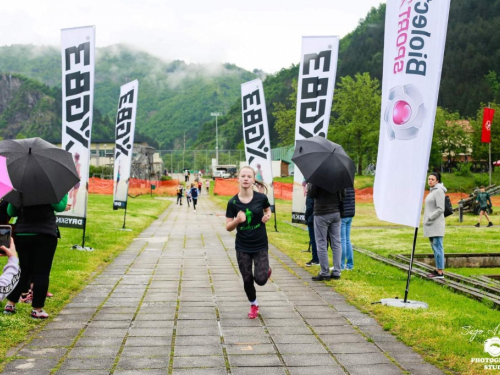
<point x="135" y="186"/>
<point x="228" y="187"/>
<point x="284" y="190"/>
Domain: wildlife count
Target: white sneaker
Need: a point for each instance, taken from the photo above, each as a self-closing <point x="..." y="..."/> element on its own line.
<point x="194" y="210"/>
<point x="35" y="314"/>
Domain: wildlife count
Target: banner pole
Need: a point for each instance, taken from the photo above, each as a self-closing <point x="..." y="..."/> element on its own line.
<point x="124" y="217"/>
<point x="411" y="265"/>
<point x="275" y="222"/>
<point x="490" y="160"/>
<point x="489" y="154"/>
<point x="83" y="237"/>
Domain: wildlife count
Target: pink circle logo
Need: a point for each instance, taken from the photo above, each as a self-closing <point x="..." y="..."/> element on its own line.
<point x="401" y="112"/>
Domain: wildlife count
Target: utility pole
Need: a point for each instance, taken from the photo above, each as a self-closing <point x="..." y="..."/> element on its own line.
<point x="183" y="166"/>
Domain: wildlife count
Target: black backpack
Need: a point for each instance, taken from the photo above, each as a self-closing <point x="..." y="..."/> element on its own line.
<point x="448" y="208"/>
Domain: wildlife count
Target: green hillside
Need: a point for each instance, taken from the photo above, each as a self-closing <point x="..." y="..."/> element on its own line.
<point x="177" y="98"/>
<point x="174" y="97"/>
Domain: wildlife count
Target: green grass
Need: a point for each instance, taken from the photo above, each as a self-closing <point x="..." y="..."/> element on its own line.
<point x="73" y="269"/>
<point x="436" y="333"/>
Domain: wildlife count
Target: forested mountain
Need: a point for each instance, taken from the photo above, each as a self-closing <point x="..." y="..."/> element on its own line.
<point x="177" y="98"/>
<point x="174" y="97"/>
<point x="471" y="67"/>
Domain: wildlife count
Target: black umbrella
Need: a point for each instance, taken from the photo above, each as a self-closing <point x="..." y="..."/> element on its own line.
<point x="40" y="172"/>
<point x="324" y="163"/>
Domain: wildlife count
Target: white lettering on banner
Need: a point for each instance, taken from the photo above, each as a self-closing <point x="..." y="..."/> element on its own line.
<point x="313" y="87"/>
<point x="69" y="221"/>
<point x="123" y="124"/>
<point x="253" y="126"/>
<point x="77" y="99"/>
<point x="413" y="41"/>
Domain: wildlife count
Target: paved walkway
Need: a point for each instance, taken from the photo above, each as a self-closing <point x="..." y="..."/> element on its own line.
<point x="173" y="303"/>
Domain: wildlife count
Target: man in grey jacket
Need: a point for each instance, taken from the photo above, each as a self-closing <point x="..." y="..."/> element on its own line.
<point x="11" y="273"/>
<point x="434" y="222"/>
<point x="327" y="224"/>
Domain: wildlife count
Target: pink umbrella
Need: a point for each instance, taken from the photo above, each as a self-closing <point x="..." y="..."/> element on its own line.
<point x="5" y="184"/>
<point x="496" y="162"/>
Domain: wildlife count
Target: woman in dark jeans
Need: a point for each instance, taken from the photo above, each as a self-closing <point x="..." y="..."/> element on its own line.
<point x="35" y="237"/>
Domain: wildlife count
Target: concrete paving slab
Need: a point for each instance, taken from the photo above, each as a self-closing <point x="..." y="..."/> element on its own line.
<point x="199" y="361"/>
<point x="255" y="361"/>
<point x="374" y="370"/>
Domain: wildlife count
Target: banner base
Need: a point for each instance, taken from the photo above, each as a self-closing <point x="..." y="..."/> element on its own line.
<point x="85" y="248"/>
<point x="396" y="302"/>
<point x="125" y="229"/>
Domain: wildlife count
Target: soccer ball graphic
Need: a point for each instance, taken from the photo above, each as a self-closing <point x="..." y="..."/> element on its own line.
<point x="404" y="113"/>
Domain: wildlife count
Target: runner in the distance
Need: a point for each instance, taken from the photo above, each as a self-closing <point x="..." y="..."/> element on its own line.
<point x="248" y="212"/>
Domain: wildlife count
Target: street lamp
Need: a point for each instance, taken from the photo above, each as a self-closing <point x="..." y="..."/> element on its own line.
<point x="216" y="136"/>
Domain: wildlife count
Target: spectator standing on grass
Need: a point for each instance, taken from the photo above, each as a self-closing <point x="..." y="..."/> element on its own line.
<point x="327" y="224"/>
<point x="194" y="194"/>
<point x="484" y="200"/>
<point x="309" y="216"/>
<point x="35" y="236"/>
<point x="349" y="203"/>
<point x="248" y="212"/>
<point x="207" y="185"/>
<point x="434" y="223"/>
<point x="11" y="272"/>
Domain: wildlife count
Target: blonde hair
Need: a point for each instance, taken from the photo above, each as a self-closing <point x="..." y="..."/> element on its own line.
<point x="257" y="183"/>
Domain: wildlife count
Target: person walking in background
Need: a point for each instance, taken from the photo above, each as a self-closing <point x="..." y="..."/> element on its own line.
<point x="186" y="176"/>
<point x="11" y="272"/>
<point x="207" y="185"/>
<point x="309" y="216"/>
<point x="484" y="200"/>
<point x="248" y="212"/>
<point x="434" y="223"/>
<point x="35" y="236"/>
<point x="194" y="194"/>
<point x="327" y="224"/>
<point x="200" y="184"/>
<point x="180" y="190"/>
<point x="188" y="196"/>
<point x="349" y="203"/>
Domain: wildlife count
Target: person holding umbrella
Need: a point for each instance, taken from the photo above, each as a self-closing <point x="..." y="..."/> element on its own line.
<point x="42" y="175"/>
<point x="329" y="170"/>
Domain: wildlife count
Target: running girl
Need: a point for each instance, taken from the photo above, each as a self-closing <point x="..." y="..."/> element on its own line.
<point x="194" y="194"/>
<point x="248" y="212"/>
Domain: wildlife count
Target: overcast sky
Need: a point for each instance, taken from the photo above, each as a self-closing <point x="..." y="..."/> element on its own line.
<point x="263" y="34"/>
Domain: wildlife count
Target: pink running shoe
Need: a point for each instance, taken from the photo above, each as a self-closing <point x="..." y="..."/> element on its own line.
<point x="35" y="314"/>
<point x="27" y="298"/>
<point x="254" y="312"/>
<point x="49" y="295"/>
<point x="269" y="273"/>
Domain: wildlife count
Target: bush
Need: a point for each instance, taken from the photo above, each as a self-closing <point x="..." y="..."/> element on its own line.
<point x="464" y="170"/>
<point x="165" y="178"/>
<point x="482" y="179"/>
